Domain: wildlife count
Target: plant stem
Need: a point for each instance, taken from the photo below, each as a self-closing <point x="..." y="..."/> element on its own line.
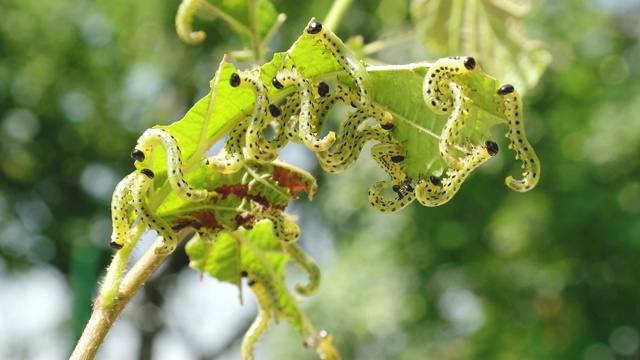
<point x="336" y="13"/>
<point x="103" y="317"/>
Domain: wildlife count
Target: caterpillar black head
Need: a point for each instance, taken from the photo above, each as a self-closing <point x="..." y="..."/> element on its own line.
<point x="506" y="89"/>
<point x="276" y="83"/>
<point x="470" y="63"/>
<point x="323" y="89"/>
<point x="314" y="28"/>
<point x="137" y="155"/>
<point x="115" y="246"/>
<point x="492" y="148"/>
<point x="235" y="80"/>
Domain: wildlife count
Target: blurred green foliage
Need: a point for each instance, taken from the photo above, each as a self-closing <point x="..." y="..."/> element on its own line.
<point x="493" y="274"/>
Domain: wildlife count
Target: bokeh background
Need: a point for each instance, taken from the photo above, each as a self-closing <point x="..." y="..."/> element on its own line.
<point x="494" y="274"/>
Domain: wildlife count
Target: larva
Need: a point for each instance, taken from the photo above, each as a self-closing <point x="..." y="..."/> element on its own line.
<point x="519" y="143"/>
<point x="283" y="229"/>
<point x="345" y="59"/>
<point x="254" y="333"/>
<point x="147" y="143"/>
<point x="436" y="81"/>
<point x="233" y="157"/>
<point x="435" y="192"/>
<point x="264" y="291"/>
<point x="307" y="129"/>
<point x="139" y="189"/>
<point x="184" y="22"/>
<point x="406" y="196"/>
<point x="257" y="147"/>
<point x="308" y="265"/>
<point x="454" y="125"/>
<point x="119" y="211"/>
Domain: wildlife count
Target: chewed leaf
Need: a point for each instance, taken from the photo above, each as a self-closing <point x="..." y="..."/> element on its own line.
<point x="270" y="185"/>
<point x="256" y="253"/>
<point x="399" y="91"/>
<point x="492" y="31"/>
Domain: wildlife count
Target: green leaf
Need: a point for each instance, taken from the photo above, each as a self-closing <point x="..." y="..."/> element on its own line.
<point x="254" y="251"/>
<point x="270" y="185"/>
<point x="265" y="13"/>
<point x="492" y="31"/>
<point x="399" y="91"/>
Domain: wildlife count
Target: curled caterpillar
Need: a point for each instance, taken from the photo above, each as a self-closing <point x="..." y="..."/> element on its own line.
<point x="254" y="333"/>
<point x="119" y="211"/>
<point x="406" y="196"/>
<point x="139" y="189"/>
<point x="390" y="158"/>
<point x="268" y="308"/>
<point x="345" y="59"/>
<point x="264" y="291"/>
<point x="149" y="140"/>
<point x="184" y="22"/>
<point x="233" y="158"/>
<point x="435" y="192"/>
<point x="308" y="132"/>
<point x="283" y="229"/>
<point x="308" y="265"/>
<point x="454" y="125"/>
<point x="519" y="143"/>
<point x="257" y="147"/>
<point x="436" y="82"/>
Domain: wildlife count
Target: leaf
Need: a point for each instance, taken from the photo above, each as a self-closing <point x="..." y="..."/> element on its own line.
<point x="265" y="16"/>
<point x="252" y="251"/>
<point x="399" y="91"/>
<point x="252" y="20"/>
<point x="489" y="30"/>
<point x="269" y="185"/>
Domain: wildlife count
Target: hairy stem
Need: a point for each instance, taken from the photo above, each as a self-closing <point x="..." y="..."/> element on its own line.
<point x="103" y="316"/>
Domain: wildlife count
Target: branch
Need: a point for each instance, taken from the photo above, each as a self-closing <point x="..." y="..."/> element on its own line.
<point x="103" y="316"/>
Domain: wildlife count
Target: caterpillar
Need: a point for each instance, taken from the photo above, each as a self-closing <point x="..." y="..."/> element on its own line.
<point x="184" y="22"/>
<point x="140" y="185"/>
<point x="435" y="192"/>
<point x="435" y="85"/>
<point x="284" y="230"/>
<point x="134" y="188"/>
<point x="405" y="197"/>
<point x="454" y="124"/>
<point x="519" y="143"/>
<point x="257" y="147"/>
<point x="233" y="157"/>
<point x="265" y="292"/>
<point x="254" y="333"/>
<point x="308" y="265"/>
<point x="268" y="301"/>
<point x="345" y="59"/>
<point x="152" y="138"/>
<point x="119" y="211"/>
<point x="307" y="131"/>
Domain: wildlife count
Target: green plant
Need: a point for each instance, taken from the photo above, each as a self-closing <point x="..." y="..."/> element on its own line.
<point x="427" y="119"/>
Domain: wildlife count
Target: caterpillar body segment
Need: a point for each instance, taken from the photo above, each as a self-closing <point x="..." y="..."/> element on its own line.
<point x="519" y="143"/>
<point x="307" y="129"/>
<point x="433" y="191"/>
<point x="345" y="59"/>
<point x="147" y="143"/>
<point x="435" y="90"/>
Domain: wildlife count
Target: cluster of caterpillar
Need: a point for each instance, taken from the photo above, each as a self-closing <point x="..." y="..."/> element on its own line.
<point x="302" y="117"/>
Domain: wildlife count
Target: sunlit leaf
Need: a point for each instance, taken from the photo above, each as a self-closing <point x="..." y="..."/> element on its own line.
<point x="490" y="30"/>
